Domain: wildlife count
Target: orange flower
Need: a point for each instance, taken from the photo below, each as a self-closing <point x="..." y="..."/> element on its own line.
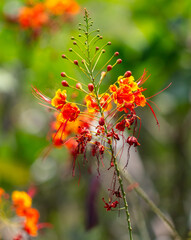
<point x="69" y="112"/>
<point x="30" y="225"/>
<point x="140" y="99"/>
<point x="128" y="94"/>
<point x="62" y="132"/>
<point x="2" y="191"/>
<point x="59" y="7"/>
<point x="60" y="99"/>
<point x="21" y="200"/>
<point x="92" y="104"/>
<point x="33" y="17"/>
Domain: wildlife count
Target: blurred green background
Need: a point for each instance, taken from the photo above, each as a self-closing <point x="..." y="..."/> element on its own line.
<point x="152" y="35"/>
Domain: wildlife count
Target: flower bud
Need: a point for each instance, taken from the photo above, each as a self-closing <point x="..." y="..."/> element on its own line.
<point x="101" y="121"/>
<point x="90" y="87"/>
<point x="78" y="86"/>
<point x="97" y="48"/>
<point x="109" y="43"/>
<point x="109" y="67"/>
<point x="65" y="83"/>
<point x="74" y="42"/>
<point x="76" y="62"/>
<point x="63" y="74"/>
<point x="119" y="61"/>
<point x="70" y="49"/>
<point x="63" y="56"/>
<point x="128" y="74"/>
<point x="116" y="53"/>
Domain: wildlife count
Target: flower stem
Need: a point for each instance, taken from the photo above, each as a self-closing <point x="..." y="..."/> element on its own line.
<point x="152" y="205"/>
<point x="96" y="90"/>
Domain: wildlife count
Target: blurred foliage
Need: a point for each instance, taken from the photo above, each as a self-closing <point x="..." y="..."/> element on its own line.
<point x="152" y="35"/>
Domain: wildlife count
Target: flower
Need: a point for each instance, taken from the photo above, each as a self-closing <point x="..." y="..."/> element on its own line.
<point x="33" y="17"/>
<point x="92" y="103"/>
<point x="69" y="112"/>
<point x="21" y="200"/>
<point x="32" y="217"/>
<point x="59" y="7"/>
<point x="60" y="99"/>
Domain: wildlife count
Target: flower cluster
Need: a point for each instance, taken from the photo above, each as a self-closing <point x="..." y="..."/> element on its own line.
<point x="47" y="14"/>
<point x="27" y="218"/>
<point x="98" y="123"/>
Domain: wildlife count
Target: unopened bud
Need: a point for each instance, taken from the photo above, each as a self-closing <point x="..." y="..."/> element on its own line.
<point x="101" y="121"/>
<point x="70" y="49"/>
<point x="116" y="53"/>
<point x="78" y="86"/>
<point x="63" y="74"/>
<point x="109" y="43"/>
<point x="72" y="38"/>
<point x="79" y="35"/>
<point x="97" y="48"/>
<point x="109" y="67"/>
<point x="90" y="87"/>
<point x="65" y="83"/>
<point x="103" y="74"/>
<point x="97" y="29"/>
<point x="76" y="62"/>
<point x="119" y="61"/>
<point x="101" y="37"/>
<point x="103" y="51"/>
<point x="128" y="74"/>
<point x="74" y="42"/>
<point x="63" y="56"/>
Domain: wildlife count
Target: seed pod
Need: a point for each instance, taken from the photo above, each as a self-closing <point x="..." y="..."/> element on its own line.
<point x="90" y="87"/>
<point x="65" y="83"/>
<point x="78" y="86"/>
<point x="128" y="74"/>
<point x="101" y="121"/>
<point x="76" y="62"/>
<point x="63" y="74"/>
<point x="109" y="67"/>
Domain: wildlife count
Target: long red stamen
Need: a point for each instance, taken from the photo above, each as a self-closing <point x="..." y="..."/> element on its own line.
<point x="153" y="113"/>
<point x="159" y="92"/>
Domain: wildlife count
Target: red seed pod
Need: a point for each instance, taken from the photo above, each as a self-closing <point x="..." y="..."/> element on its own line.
<point x="90" y="87"/>
<point x="131" y="140"/>
<point x="128" y="74"/>
<point x="78" y="86"/>
<point x="76" y="62"/>
<point x="101" y="121"/>
<point x="116" y="53"/>
<point x="109" y="67"/>
<point x="65" y="83"/>
<point x="63" y="56"/>
<point x="63" y="74"/>
<point x="119" y="61"/>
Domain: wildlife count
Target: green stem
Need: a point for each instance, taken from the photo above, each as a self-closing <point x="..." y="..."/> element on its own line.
<point x="106" y="132"/>
<point x="152" y="205"/>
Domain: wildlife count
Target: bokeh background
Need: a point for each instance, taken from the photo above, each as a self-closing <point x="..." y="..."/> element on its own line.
<point x="155" y="36"/>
